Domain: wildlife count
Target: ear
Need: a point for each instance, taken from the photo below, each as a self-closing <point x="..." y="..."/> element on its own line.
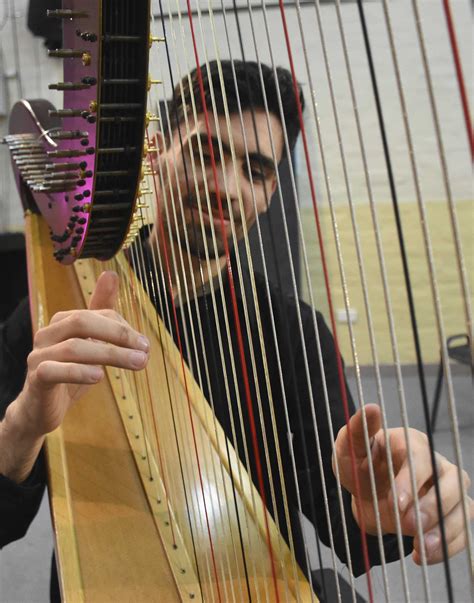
<point x="273" y="186"/>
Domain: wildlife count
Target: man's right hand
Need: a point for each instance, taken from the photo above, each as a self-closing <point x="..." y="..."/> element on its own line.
<point x="67" y="358"/>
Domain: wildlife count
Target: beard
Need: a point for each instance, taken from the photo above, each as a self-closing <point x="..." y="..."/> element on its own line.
<point x="195" y="238"/>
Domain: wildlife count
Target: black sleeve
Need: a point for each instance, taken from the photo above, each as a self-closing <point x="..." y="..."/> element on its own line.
<point x="19" y="503"/>
<point x="313" y="502"/>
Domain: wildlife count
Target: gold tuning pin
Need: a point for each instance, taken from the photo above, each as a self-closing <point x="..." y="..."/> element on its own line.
<point x="152" y="81"/>
<point x="154" y="39"/>
<point x="93" y="106"/>
<point x="149" y="117"/>
<point x="145" y="191"/>
<point x="71" y="53"/>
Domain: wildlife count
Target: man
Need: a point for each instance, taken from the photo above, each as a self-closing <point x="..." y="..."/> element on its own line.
<point x="203" y="210"/>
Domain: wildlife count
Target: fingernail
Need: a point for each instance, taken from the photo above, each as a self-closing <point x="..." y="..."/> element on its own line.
<point x="137" y="359"/>
<point x="143" y="343"/>
<point x="96" y="373"/>
<point x="403" y="500"/>
<point x="431" y="543"/>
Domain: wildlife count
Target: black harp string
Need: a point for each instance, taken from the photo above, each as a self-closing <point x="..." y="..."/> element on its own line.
<point x="197" y="370"/>
<point x="207" y="373"/>
<point x="176" y="326"/>
<point x="287" y="334"/>
<point x="364" y="287"/>
<point x="192" y="160"/>
<point x="207" y="313"/>
<point x="138" y="259"/>
<point x="255" y="298"/>
<point x="211" y="403"/>
<point x="316" y="333"/>
<point x="190" y="360"/>
<point x="150" y="276"/>
<point x="434" y="286"/>
<point x="211" y="91"/>
<point x="409" y="291"/>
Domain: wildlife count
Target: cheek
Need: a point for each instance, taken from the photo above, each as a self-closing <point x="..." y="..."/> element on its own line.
<point x="261" y="200"/>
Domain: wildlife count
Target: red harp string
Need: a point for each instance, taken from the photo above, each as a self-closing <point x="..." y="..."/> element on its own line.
<point x="180" y="347"/>
<point x="240" y="342"/>
<point x="459" y="74"/>
<point x="340" y="369"/>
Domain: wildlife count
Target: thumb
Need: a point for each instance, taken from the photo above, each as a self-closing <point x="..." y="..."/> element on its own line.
<point x="356" y="424"/>
<point x="105" y="292"/>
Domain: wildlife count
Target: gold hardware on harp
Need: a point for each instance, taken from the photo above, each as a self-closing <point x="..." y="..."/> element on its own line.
<point x="154" y="39"/>
<point x="152" y="82"/>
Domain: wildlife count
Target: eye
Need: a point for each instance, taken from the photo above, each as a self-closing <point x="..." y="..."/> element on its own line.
<point x="257" y="176"/>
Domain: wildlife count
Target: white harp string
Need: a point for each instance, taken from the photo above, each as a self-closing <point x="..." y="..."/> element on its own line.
<point x="169" y="118"/>
<point x="434" y="284"/>
<point x="188" y="293"/>
<point x="365" y="292"/>
<point x="251" y="272"/>
<point x="243" y="291"/>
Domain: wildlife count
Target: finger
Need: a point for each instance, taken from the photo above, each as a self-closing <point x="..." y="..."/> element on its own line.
<point x="105" y="292"/>
<point x="356" y="425"/>
<point x="454" y="547"/>
<point x="59" y="316"/>
<point x="86" y="324"/>
<point x="450" y="495"/>
<point x="455" y="536"/>
<point x="85" y="351"/>
<point x="51" y="373"/>
<point x="419" y="462"/>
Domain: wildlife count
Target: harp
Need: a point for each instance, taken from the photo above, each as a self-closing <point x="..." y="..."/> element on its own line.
<point x="152" y="501"/>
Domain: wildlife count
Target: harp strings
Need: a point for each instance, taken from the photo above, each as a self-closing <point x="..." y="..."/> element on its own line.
<point x="362" y="272"/>
<point x="302" y="341"/>
<point x="343" y="390"/>
<point x="433" y="278"/>
<point x="446" y="181"/>
<point x="192" y="337"/>
<point x="187" y="243"/>
<point x="208" y="314"/>
<point x="254" y="299"/>
<point x="434" y="283"/>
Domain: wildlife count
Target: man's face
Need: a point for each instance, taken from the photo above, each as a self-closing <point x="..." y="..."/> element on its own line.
<point x="252" y="175"/>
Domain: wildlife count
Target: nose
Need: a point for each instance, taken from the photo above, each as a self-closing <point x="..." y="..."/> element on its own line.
<point x="224" y="179"/>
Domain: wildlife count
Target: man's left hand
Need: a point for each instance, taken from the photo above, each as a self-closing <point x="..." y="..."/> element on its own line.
<point x="448" y="479"/>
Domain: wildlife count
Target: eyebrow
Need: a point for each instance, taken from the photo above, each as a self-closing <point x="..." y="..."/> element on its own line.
<point x="266" y="162"/>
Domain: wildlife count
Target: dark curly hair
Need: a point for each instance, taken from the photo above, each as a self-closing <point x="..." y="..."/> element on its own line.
<point x="248" y="83"/>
